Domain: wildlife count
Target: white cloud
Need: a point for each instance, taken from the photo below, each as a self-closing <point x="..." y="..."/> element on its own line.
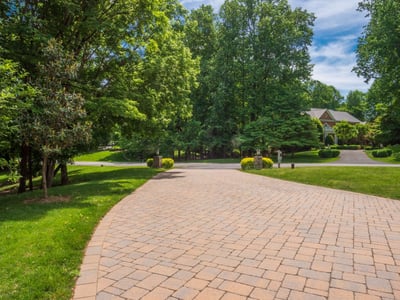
<point x="340" y="50"/>
<point x="334" y="62"/>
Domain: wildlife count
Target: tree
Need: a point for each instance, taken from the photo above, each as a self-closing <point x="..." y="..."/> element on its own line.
<point x="201" y="37"/>
<point x="15" y="96"/>
<point x="260" y="68"/>
<point x="378" y="58"/>
<point x="356" y="104"/>
<point x="56" y="120"/>
<point x="324" y="96"/>
<point x="12" y="91"/>
<point x="133" y="71"/>
<point x="345" y="131"/>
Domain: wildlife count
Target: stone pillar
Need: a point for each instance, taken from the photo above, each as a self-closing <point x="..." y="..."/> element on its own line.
<point x="258" y="162"/>
<point x="157" y="162"/>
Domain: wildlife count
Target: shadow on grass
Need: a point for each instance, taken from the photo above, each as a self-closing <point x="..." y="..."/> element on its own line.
<point x="89" y="187"/>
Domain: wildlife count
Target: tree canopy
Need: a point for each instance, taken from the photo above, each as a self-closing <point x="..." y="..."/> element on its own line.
<point x="378" y="60"/>
<point x="78" y="74"/>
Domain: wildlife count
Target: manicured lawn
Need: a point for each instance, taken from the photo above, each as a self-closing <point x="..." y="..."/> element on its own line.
<point x="389" y="159"/>
<point x="118" y="156"/>
<point x="368" y="180"/>
<point x="109" y="156"/>
<point x="42" y="244"/>
<point x="305" y="157"/>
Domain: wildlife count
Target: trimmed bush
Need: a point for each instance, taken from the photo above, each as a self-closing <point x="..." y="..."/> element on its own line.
<point x="247" y="163"/>
<point x="346" y="147"/>
<point x="350" y="147"/>
<point x="395" y="148"/>
<point x="382" y="153"/>
<point x="328" y="153"/>
<point x="149" y="162"/>
<point x="267" y="163"/>
<point x="167" y="163"/>
<point x="396" y="156"/>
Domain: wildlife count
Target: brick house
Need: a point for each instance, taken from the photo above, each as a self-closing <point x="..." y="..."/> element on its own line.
<point x="329" y="118"/>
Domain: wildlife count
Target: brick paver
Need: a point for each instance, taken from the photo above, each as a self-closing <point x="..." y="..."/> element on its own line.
<point x="224" y="234"/>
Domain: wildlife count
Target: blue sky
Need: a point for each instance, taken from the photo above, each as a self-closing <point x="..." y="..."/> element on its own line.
<point x="336" y="30"/>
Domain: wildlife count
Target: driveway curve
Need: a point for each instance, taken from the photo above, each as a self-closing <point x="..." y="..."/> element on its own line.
<point x="225" y="234"/>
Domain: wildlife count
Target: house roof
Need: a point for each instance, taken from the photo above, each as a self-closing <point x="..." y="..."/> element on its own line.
<point x="336" y="115"/>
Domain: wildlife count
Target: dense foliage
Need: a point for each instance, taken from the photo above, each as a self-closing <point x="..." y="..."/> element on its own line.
<point x="97" y="67"/>
<point x="153" y="77"/>
<point x="327" y="153"/>
<point x="378" y="60"/>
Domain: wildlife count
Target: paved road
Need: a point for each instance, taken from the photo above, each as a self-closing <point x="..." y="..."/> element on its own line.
<point x="225" y="234"/>
<point x="356" y="158"/>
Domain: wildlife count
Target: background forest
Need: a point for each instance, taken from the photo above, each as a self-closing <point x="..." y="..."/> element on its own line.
<point x="150" y="76"/>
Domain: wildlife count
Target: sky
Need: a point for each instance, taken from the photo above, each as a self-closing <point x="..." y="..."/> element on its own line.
<point x="336" y="31"/>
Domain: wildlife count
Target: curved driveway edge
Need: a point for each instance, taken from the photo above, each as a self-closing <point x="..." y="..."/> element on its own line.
<point x="225" y="234"/>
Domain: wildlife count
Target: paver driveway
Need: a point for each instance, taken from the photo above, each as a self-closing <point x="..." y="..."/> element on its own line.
<point x="224" y="234"/>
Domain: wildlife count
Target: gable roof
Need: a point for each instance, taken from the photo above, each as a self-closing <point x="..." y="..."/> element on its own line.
<point x="336" y="115"/>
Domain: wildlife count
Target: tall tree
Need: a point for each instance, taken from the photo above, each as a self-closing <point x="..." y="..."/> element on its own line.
<point x="261" y="65"/>
<point x="201" y="38"/>
<point x="378" y="59"/>
<point x="356" y="104"/>
<point x="324" y="96"/>
<point x="57" y="117"/>
<point x="345" y="131"/>
<point x="15" y="96"/>
<point x="133" y="69"/>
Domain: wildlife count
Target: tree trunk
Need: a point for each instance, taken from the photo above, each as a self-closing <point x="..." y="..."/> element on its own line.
<point x="50" y="172"/>
<point x="64" y="174"/>
<point x="23" y="168"/>
<point x="44" y="176"/>
<point x="30" y="169"/>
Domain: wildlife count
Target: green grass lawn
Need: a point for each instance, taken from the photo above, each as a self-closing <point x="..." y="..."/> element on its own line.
<point x="118" y="156"/>
<point x="109" y="156"/>
<point x="305" y="157"/>
<point x="368" y="180"/>
<point x="389" y="159"/>
<point x="42" y="244"/>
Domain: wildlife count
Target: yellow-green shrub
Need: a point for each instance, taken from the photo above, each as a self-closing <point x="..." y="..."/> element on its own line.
<point x="167" y="163"/>
<point x="267" y="163"/>
<point x="149" y="162"/>
<point x="247" y="163"/>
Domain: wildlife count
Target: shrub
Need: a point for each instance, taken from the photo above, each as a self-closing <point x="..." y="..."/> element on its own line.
<point x="329" y="140"/>
<point x="368" y="148"/>
<point x="167" y="163"/>
<point x="247" y="163"/>
<point x="396" y="156"/>
<point x="328" y="153"/>
<point x="350" y="147"/>
<point x="395" y="148"/>
<point x="149" y="162"/>
<point x="267" y="163"/>
<point x="382" y="153"/>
